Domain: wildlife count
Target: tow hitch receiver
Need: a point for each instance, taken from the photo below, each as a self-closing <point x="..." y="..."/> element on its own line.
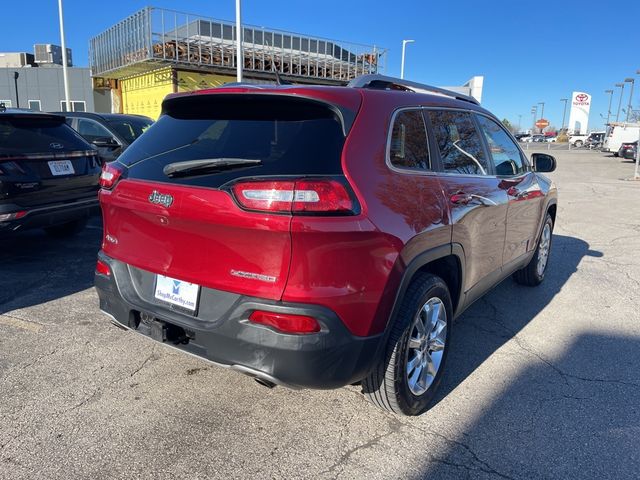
<point x="161" y="331"/>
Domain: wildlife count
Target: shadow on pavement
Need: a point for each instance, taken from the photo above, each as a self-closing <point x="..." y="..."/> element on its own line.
<point x="481" y="330"/>
<point x="576" y="416"/>
<point x="36" y="268"/>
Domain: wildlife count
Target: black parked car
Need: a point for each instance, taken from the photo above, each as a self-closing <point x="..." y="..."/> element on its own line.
<point x="111" y="133"/>
<point x="48" y="174"/>
<point x="629" y="150"/>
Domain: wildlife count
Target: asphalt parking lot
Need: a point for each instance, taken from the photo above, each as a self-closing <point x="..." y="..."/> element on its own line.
<point x="541" y="383"/>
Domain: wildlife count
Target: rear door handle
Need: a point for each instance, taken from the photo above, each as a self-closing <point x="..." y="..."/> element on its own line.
<point x="461" y="198"/>
<point x="518" y="194"/>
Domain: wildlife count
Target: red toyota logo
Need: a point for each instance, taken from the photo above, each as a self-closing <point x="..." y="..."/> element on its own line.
<point x="582" y="97"/>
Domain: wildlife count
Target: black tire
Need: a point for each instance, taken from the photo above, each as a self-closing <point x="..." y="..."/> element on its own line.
<point x="578" y="143"/>
<point x="530" y="275"/>
<point x="387" y="385"/>
<point x="68" y="229"/>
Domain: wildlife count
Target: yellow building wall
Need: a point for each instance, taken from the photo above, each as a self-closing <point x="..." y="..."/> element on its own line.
<point x="143" y="94"/>
<point x="190" y="81"/>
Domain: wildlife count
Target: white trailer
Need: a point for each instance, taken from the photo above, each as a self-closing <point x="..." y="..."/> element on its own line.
<point x="619" y="133"/>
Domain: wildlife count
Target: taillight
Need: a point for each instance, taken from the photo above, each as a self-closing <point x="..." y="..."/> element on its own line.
<point x="299" y="196"/>
<point x="111" y="173"/>
<point x="102" y="268"/>
<point x="5" y="217"/>
<point x="286" y="322"/>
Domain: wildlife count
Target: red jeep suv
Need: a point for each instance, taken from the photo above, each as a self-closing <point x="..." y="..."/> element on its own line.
<point x="315" y="236"/>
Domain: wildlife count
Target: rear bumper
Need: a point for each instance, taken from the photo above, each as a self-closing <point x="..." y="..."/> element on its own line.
<point x="221" y="332"/>
<point x="49" y="215"/>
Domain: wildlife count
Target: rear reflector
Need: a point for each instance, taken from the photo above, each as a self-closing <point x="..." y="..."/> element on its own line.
<point x="111" y="173"/>
<point x="5" y="217"/>
<point x="299" y="196"/>
<point x="285" y="322"/>
<point x="102" y="268"/>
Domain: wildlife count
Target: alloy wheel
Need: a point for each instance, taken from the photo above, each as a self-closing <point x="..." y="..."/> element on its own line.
<point x="427" y="342"/>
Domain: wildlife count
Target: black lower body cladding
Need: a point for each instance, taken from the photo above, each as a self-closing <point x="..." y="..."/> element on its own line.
<point x="221" y="332"/>
<point x="48" y="215"/>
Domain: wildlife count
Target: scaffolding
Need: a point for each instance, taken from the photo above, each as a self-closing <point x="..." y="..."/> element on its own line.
<point x="153" y="37"/>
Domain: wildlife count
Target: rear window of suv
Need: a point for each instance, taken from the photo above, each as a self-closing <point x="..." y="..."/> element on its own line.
<point x="288" y="135"/>
<point x="27" y="134"/>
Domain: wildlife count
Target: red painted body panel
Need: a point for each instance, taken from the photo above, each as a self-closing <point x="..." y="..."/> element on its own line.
<point x="342" y="263"/>
<point x="201" y="238"/>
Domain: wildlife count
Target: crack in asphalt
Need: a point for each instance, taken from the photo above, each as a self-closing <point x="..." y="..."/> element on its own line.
<point x="564" y="375"/>
<point x="344" y="457"/>
<point x="98" y="391"/>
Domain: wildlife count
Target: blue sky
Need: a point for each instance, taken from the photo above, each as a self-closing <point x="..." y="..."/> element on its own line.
<point x="529" y="52"/>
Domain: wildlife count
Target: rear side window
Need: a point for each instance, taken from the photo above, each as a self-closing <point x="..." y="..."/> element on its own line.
<point x="37" y="135"/>
<point x="459" y="142"/>
<point x="290" y="136"/>
<point x="506" y="156"/>
<point x="130" y="128"/>
<point x="408" y="148"/>
<point x="92" y="130"/>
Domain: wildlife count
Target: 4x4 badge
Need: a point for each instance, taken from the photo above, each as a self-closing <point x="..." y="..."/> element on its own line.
<point x="163" y="199"/>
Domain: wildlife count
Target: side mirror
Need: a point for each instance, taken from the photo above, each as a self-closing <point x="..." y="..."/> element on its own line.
<point x="543" y="162"/>
<point x="106" y="142"/>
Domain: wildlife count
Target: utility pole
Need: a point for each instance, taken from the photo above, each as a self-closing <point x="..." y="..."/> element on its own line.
<point x="610" y="92"/>
<point x="621" y="85"/>
<point x="65" y="75"/>
<point x="564" y="112"/>
<point x="519" y="123"/>
<point x="404" y="46"/>
<point x="631" y="81"/>
<point x="239" y="56"/>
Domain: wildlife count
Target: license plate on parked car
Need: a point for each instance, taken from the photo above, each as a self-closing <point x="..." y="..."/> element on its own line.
<point x="61" y="167"/>
<point x="177" y="292"/>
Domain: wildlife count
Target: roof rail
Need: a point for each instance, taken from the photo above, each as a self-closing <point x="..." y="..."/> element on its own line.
<point x="382" y="82"/>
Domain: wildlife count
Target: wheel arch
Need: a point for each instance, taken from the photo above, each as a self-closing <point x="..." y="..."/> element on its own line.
<point x="447" y="262"/>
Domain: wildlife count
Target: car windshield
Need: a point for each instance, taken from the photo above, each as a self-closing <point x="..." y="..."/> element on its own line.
<point x="130" y="128"/>
<point x="37" y="135"/>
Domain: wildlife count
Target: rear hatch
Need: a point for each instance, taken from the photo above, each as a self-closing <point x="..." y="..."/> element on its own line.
<point x="43" y="161"/>
<point x="190" y="201"/>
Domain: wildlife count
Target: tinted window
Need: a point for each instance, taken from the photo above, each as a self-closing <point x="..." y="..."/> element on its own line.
<point x="289" y="135"/>
<point x="459" y="143"/>
<point x="408" y="147"/>
<point x="130" y="128"/>
<point x="506" y="156"/>
<point x="34" y="135"/>
<point x="92" y="130"/>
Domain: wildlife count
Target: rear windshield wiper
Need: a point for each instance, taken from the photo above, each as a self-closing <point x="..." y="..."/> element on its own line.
<point x="206" y="165"/>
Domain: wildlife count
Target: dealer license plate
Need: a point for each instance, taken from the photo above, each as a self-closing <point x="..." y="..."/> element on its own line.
<point x="177" y="292"/>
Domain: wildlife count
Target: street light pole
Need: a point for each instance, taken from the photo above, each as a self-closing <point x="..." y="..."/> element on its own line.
<point x="65" y="75"/>
<point x="15" y="81"/>
<point x="519" y="123"/>
<point x="541" y="112"/>
<point x="239" y="56"/>
<point x="534" y="112"/>
<point x="610" y="92"/>
<point x="631" y="81"/>
<point x="404" y="46"/>
<point x="621" y="85"/>
<point x="564" y="112"/>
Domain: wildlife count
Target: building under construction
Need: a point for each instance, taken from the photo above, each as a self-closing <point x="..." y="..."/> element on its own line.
<point x="156" y="51"/>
